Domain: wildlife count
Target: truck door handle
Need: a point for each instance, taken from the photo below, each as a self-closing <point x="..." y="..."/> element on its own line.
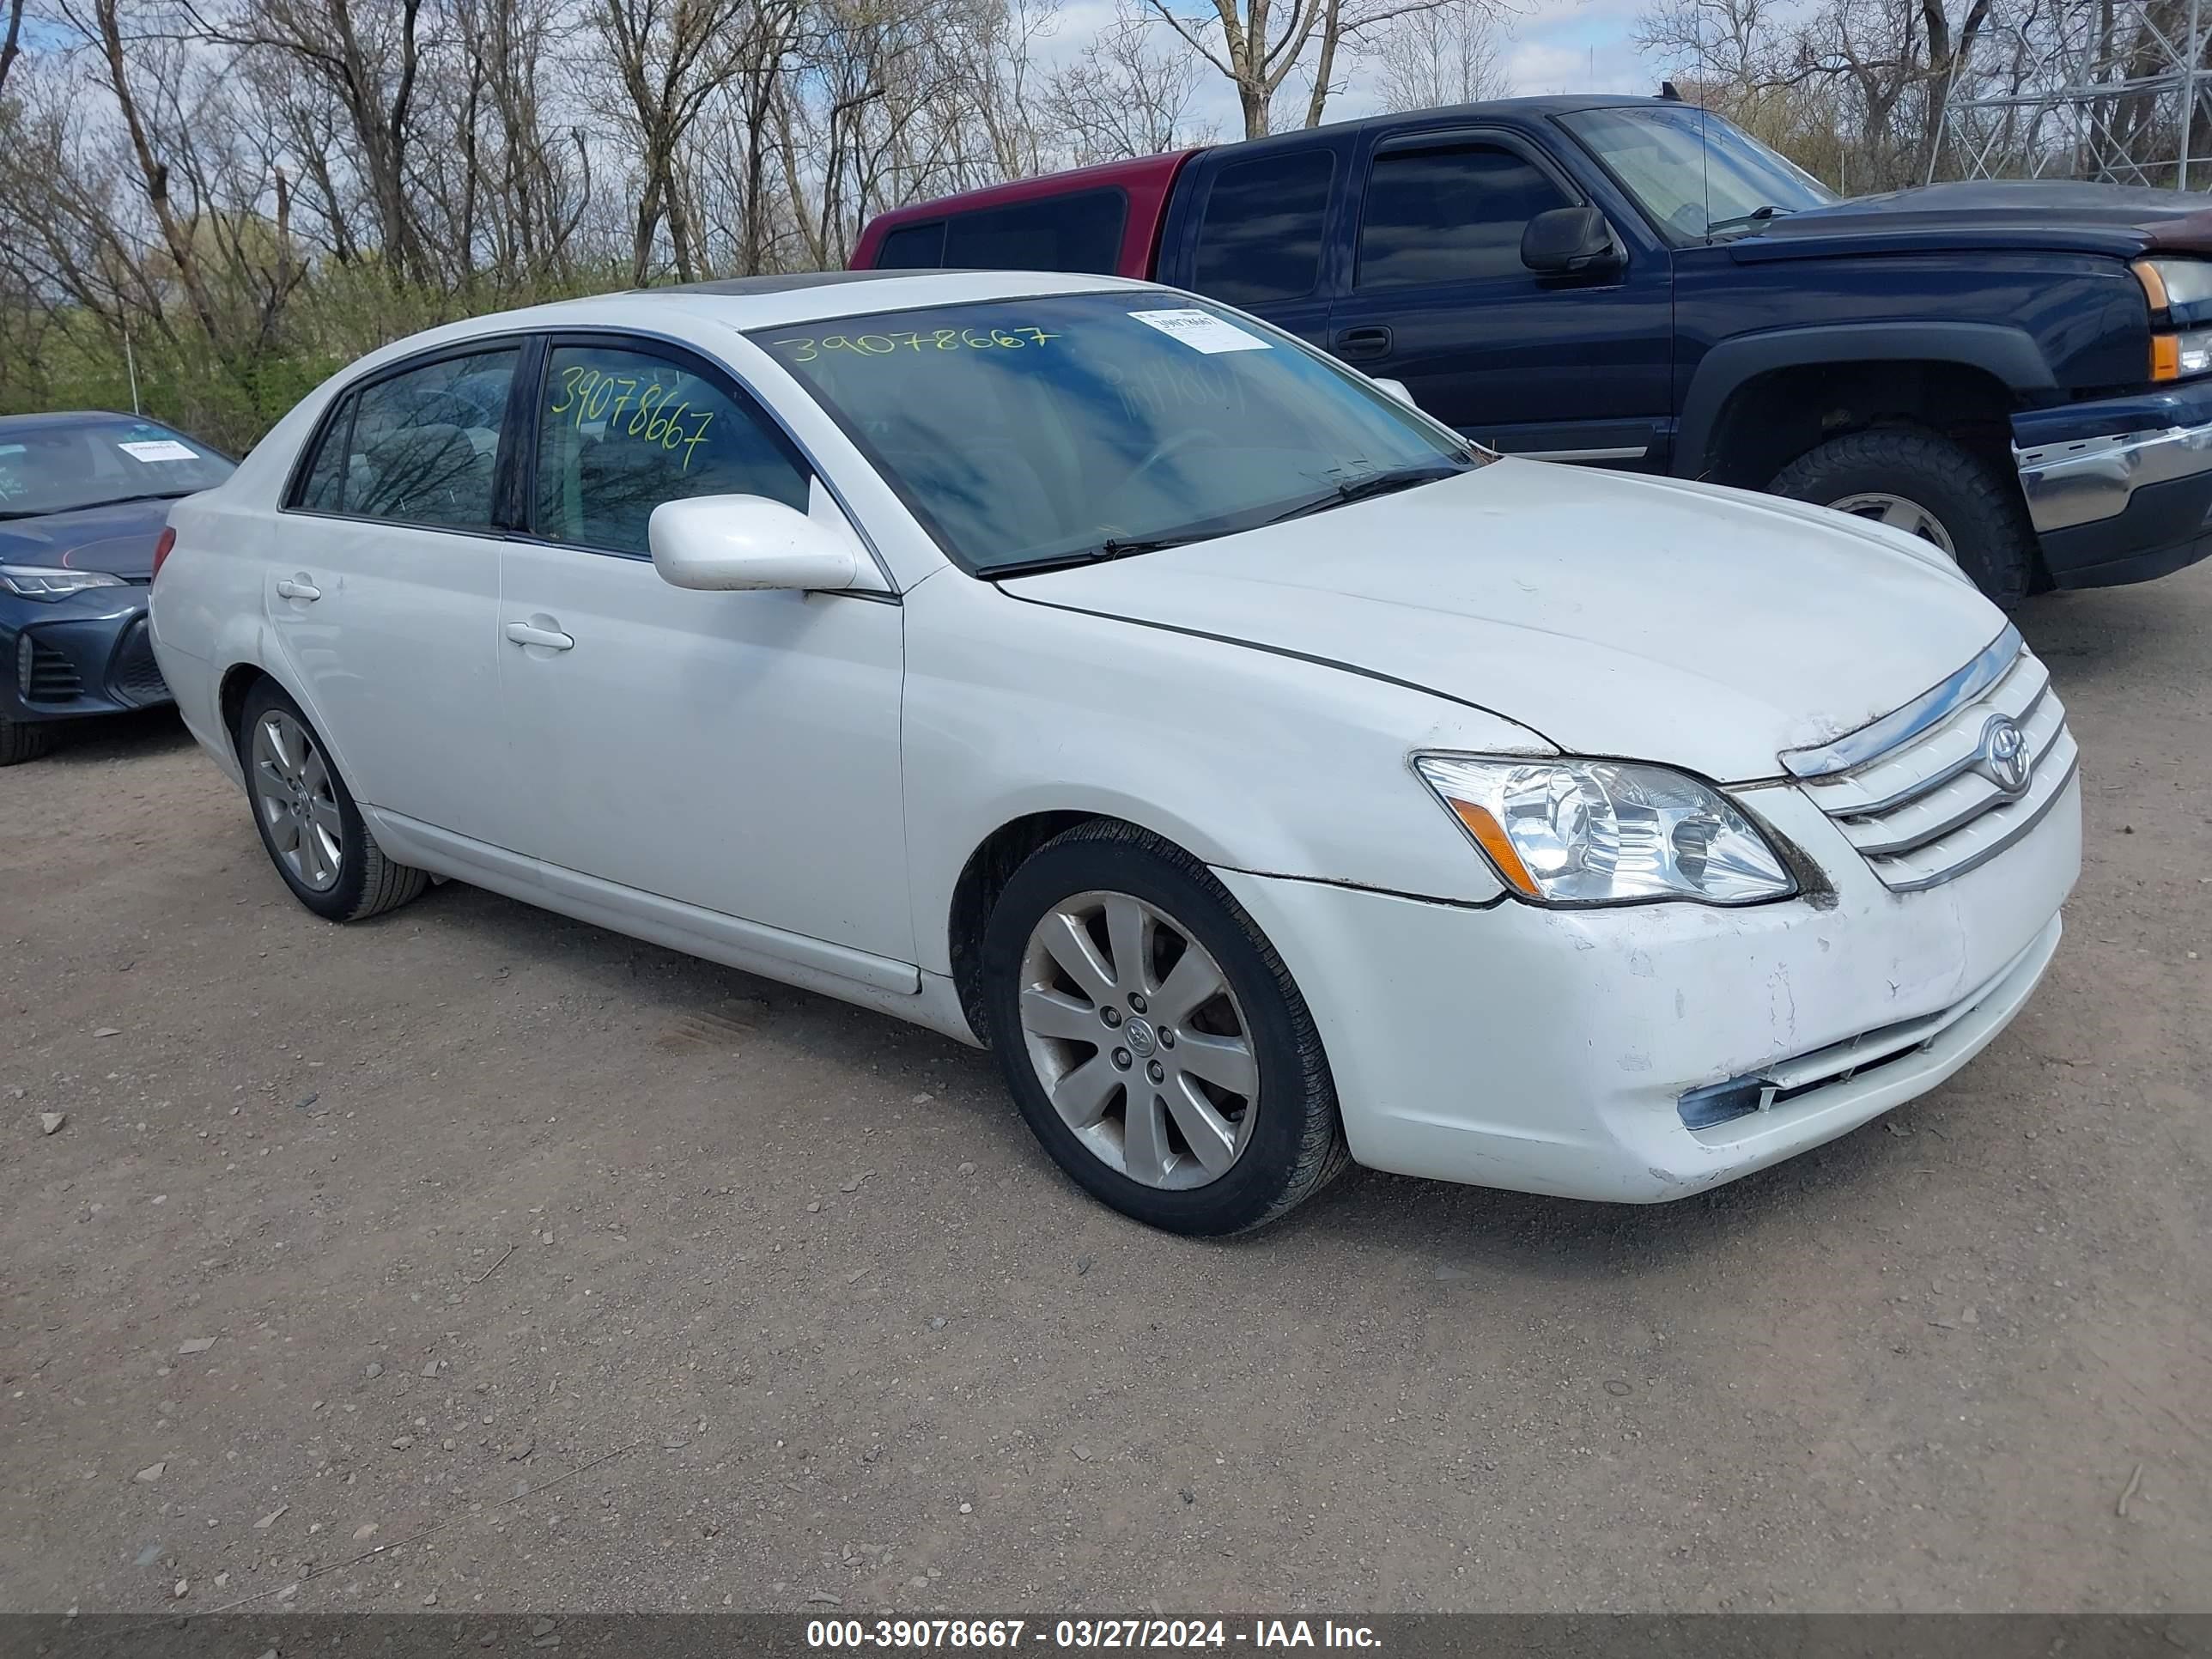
<point x="551" y="638"/>
<point x="297" y="587"/>
<point x="1363" y="343"/>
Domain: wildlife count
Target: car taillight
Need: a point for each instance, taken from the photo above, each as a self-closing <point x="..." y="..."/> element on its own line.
<point x="161" y="548"/>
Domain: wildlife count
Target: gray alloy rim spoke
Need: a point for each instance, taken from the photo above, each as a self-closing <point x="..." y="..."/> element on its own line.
<point x="1049" y="1013"/>
<point x="1190" y="983"/>
<point x="1225" y="1062"/>
<point x="1129" y="932"/>
<point x="1212" y="1136"/>
<point x="1145" y="1141"/>
<point x="1082" y="1096"/>
<point x="1157" y="1077"/>
<point x="294" y="793"/>
<point x="1072" y="948"/>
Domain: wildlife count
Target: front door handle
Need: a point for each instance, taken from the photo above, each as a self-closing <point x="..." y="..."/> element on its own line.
<point x="297" y="587"/>
<point x="529" y="634"/>
<point x="1363" y="343"/>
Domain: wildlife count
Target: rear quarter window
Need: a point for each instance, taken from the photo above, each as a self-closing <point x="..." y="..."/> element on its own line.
<point x="1078" y="233"/>
<point x="1260" y="236"/>
<point x="912" y="247"/>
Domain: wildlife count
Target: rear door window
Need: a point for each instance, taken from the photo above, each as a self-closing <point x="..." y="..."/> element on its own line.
<point x="1449" y="215"/>
<point x="621" y="430"/>
<point x="1260" y="237"/>
<point x="1080" y="233"/>
<point x="421" y="447"/>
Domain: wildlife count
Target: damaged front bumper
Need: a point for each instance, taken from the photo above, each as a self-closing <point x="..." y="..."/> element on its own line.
<point x="1551" y="1051"/>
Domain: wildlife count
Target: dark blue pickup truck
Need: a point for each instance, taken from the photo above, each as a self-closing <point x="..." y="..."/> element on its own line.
<point x="2021" y="372"/>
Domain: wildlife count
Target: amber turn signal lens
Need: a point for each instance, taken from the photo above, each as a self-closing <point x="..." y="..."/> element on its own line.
<point x="1490" y="836"/>
<point x="2164" y="357"/>
<point x="2154" y="285"/>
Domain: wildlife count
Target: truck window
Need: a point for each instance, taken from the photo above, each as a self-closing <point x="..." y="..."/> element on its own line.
<point x="1082" y="232"/>
<point x="912" y="247"/>
<point x="1444" y="215"/>
<point x="1259" y="237"/>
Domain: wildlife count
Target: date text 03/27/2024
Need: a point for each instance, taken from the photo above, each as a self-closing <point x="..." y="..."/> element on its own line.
<point x="1262" y="1633"/>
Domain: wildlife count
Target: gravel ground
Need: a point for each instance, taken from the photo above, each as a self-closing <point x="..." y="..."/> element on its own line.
<point x="477" y="1255"/>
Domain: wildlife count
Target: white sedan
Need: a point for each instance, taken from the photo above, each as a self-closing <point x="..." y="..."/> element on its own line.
<point x="1271" y="778"/>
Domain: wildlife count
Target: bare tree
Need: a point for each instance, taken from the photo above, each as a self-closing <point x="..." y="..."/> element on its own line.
<point x="1258" y="45"/>
<point x="1124" y="95"/>
<point x="1450" y="54"/>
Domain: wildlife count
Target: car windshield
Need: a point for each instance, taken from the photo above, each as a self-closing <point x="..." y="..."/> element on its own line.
<point x="64" y="465"/>
<point x="1035" y="432"/>
<point x="1695" y="173"/>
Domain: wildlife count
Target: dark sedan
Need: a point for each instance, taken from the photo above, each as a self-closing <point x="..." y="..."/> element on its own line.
<point x="83" y="498"/>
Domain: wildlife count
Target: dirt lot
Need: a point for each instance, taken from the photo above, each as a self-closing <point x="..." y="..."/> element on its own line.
<point x="634" y="1283"/>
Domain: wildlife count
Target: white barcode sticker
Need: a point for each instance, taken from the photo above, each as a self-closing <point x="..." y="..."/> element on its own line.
<point x="159" y="449"/>
<point x="1201" y="330"/>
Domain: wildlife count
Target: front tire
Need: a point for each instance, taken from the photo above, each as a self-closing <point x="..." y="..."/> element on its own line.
<point x="21" y="742"/>
<point x="1154" y="1042"/>
<point x="309" y="824"/>
<point x="1928" y="486"/>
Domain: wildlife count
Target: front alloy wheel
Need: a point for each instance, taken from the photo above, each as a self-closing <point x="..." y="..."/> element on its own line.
<point x="1155" y="1042"/>
<point x="1138" y="1040"/>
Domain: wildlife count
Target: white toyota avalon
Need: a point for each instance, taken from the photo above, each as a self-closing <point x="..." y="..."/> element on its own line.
<point x="1269" y="777"/>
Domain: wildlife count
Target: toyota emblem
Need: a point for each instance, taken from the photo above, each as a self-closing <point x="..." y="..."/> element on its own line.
<point x="2004" y="757"/>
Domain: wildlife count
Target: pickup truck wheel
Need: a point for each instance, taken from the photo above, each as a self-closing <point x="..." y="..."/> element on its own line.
<point x="1929" y="487"/>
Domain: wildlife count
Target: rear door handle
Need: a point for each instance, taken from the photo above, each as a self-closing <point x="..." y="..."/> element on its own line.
<point x="1363" y="343"/>
<point x="529" y="634"/>
<point x="297" y="587"/>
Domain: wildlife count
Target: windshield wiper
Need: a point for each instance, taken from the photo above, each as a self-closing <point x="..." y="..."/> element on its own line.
<point x="1098" y="555"/>
<point x="1756" y="217"/>
<point x="1366" y="488"/>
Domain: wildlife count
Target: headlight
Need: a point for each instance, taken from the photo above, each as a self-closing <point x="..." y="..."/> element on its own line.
<point x="2180" y="293"/>
<point x="1606" y="832"/>
<point x="36" y="581"/>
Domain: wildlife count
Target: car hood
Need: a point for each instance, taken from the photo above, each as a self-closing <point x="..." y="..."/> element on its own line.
<point x="1638" y="617"/>
<point x="2015" y="213"/>
<point x="118" y="539"/>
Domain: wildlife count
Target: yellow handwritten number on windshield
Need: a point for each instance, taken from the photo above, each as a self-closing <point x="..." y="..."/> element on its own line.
<point x="807" y="349"/>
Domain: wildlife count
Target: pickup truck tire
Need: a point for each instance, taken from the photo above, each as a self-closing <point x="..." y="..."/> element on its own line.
<point x="1976" y="510"/>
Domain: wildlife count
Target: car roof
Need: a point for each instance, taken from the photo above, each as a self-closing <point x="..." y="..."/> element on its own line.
<point x="749" y="302"/>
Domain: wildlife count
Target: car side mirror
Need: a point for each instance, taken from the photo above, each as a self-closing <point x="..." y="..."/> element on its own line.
<point x="724" y="542"/>
<point x="1396" y="389"/>
<point x="1569" y="241"/>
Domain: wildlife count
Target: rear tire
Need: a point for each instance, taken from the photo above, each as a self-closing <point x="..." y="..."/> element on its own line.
<point x="1199" y="1102"/>
<point x="309" y="824"/>
<point x="21" y="742"/>
<point x="1963" y="500"/>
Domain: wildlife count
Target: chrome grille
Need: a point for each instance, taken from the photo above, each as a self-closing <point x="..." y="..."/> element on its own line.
<point x="1917" y="791"/>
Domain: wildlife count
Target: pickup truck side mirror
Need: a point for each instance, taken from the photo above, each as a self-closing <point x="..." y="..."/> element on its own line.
<point x="1569" y="241"/>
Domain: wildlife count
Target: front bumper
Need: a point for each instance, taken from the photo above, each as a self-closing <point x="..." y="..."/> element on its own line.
<point x="2119" y="489"/>
<point x="89" y="653"/>
<point x="1549" y="1051"/>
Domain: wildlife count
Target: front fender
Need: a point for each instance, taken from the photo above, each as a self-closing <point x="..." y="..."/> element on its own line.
<point x="2009" y="353"/>
<point x="1248" y="759"/>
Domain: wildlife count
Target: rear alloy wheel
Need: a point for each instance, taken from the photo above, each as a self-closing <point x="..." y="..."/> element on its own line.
<point x="1929" y="487"/>
<point x="1154" y="1040"/>
<point x="313" y="832"/>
